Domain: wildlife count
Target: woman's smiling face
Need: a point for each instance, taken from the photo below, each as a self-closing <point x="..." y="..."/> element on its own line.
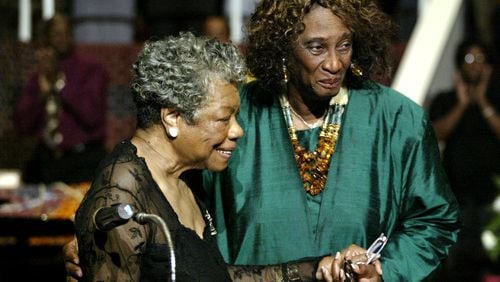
<point x="210" y="141"/>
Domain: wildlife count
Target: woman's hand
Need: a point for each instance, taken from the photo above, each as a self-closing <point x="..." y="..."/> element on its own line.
<point x="71" y="261"/>
<point x="368" y="272"/>
<point x="332" y="268"/>
<point x="461" y="91"/>
<point x="479" y="93"/>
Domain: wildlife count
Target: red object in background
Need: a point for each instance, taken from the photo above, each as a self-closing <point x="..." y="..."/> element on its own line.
<point x="491" y="278"/>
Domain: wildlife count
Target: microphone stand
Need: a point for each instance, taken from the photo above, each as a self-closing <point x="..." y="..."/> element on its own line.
<point x="143" y="218"/>
<point x="107" y="218"/>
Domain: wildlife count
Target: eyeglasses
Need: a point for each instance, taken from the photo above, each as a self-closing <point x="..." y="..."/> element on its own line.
<point x="372" y="254"/>
<point x="477" y="58"/>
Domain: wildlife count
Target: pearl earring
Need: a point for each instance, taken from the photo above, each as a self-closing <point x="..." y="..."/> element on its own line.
<point x="172" y="132"/>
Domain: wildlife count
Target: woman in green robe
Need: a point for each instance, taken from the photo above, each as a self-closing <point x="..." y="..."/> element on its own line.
<point x="289" y="194"/>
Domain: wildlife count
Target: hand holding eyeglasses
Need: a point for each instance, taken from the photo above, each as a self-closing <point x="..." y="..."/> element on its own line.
<point x="372" y="254"/>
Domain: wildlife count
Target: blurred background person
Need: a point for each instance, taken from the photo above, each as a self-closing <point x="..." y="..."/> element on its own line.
<point x="467" y="123"/>
<point x="63" y="104"/>
<point x="216" y="27"/>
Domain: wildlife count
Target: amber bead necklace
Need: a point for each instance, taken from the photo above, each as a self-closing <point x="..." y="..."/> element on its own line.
<point x="313" y="166"/>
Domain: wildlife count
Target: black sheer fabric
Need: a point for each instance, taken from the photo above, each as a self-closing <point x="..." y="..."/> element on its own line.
<point x="134" y="252"/>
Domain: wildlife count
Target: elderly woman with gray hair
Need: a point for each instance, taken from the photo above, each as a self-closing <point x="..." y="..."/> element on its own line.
<point x="186" y="93"/>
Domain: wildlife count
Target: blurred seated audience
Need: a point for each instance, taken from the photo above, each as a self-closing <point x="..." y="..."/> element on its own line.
<point x="63" y="105"/>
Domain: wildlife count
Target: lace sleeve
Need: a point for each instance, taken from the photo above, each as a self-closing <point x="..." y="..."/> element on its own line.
<point x="113" y="255"/>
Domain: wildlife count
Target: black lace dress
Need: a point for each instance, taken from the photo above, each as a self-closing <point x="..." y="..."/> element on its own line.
<point x="135" y="252"/>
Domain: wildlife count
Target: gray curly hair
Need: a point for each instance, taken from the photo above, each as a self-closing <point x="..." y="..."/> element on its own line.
<point x="177" y="71"/>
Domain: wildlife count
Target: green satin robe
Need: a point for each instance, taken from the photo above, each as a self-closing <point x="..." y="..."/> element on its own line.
<point x="385" y="176"/>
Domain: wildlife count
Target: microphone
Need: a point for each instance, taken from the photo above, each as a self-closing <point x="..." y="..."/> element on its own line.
<point x="107" y="218"/>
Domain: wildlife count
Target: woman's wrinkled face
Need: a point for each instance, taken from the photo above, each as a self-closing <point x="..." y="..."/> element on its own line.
<point x="210" y="141"/>
<point x="322" y="53"/>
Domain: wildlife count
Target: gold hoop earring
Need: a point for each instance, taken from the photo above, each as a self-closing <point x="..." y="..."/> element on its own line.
<point x="356" y="70"/>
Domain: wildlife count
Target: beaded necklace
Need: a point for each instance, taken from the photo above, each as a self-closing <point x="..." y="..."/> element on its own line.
<point x="313" y="166"/>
